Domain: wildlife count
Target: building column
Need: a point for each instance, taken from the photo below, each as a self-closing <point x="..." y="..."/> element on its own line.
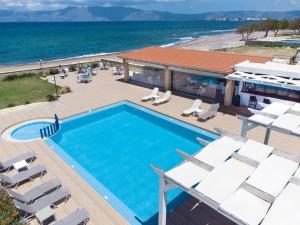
<point x="168" y="79"/>
<point x="229" y="92"/>
<point x="126" y="70"/>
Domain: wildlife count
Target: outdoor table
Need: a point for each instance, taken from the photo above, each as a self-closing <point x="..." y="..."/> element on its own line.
<point x="44" y="214"/>
<point x="20" y="165"/>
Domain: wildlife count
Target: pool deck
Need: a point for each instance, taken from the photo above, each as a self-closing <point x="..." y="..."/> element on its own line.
<point x="103" y="90"/>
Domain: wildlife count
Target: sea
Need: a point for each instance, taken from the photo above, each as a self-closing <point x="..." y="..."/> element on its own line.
<point x="30" y="42"/>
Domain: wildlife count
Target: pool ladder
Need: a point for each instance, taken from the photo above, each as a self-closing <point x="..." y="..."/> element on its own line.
<point x="51" y="129"/>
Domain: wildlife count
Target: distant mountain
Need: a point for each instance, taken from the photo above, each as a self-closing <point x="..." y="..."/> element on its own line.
<point x="132" y="14"/>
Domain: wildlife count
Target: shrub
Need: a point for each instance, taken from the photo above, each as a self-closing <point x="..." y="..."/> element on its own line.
<point x="8" y="213"/>
<point x="10" y="77"/>
<point x="20" y="76"/>
<point x="72" y="68"/>
<point x="19" y="223"/>
<point x="65" y="90"/>
<point x="51" y="97"/>
<point x="53" y="71"/>
<point x="94" y="64"/>
<point x="11" y="105"/>
<point x="27" y="102"/>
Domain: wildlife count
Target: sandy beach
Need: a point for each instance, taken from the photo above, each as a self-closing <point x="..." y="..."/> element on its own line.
<point x="213" y="42"/>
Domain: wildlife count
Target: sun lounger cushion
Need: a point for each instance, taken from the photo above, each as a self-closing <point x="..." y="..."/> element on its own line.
<point x="36" y="192"/>
<point x="77" y="217"/>
<point x="44" y="201"/>
<point x="24" y="175"/>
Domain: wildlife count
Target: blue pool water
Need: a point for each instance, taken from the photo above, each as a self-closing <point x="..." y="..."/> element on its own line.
<point x="115" y="146"/>
<point x="29" y="131"/>
<point x="292" y="41"/>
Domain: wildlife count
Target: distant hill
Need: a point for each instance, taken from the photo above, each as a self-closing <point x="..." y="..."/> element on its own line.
<point x="132" y="14"/>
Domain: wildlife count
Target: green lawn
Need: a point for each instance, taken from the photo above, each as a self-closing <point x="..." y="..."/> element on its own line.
<point x="24" y="90"/>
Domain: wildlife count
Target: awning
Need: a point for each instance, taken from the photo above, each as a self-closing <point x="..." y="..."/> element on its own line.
<point x="252" y="186"/>
<point x="284" y="118"/>
<point x="271" y="74"/>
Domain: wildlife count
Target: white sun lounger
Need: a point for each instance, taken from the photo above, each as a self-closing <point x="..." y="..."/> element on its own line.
<point x="188" y="173"/>
<point x="194" y="109"/>
<point x="285" y="209"/>
<point x="163" y="99"/>
<point x="153" y="95"/>
<point x="287" y="122"/>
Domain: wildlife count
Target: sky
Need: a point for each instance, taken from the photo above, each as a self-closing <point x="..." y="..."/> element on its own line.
<point x="178" y="6"/>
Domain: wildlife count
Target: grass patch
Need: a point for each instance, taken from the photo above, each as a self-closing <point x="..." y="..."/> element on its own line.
<point x="20" y="90"/>
<point x="278" y="52"/>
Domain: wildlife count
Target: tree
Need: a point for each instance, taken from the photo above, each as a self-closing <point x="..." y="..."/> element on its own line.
<point x="246" y="30"/>
<point x="284" y="24"/>
<point x="275" y="26"/>
<point x="295" y="24"/>
<point x="266" y="26"/>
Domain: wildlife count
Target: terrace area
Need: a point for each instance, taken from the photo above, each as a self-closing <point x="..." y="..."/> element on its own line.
<point x="107" y="89"/>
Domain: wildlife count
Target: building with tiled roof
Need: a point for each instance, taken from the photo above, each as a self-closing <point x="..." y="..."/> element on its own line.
<point x="201" y="74"/>
<point x="209" y="61"/>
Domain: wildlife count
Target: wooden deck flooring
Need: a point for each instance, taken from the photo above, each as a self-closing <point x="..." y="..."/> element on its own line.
<point x="103" y="90"/>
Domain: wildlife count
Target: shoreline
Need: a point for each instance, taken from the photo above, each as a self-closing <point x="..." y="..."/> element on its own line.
<point x="208" y="42"/>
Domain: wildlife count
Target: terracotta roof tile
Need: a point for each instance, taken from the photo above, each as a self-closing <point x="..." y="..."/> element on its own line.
<point x="212" y="61"/>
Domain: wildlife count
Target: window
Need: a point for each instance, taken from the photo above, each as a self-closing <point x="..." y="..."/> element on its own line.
<point x="148" y="75"/>
<point x="269" y="91"/>
<point x="198" y="85"/>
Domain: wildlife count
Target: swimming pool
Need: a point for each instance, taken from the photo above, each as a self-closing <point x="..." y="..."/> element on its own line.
<point x="112" y="149"/>
<point x="26" y="131"/>
<point x="292" y="41"/>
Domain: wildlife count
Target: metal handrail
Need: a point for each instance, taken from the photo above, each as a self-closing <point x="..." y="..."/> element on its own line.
<point x="50" y="129"/>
